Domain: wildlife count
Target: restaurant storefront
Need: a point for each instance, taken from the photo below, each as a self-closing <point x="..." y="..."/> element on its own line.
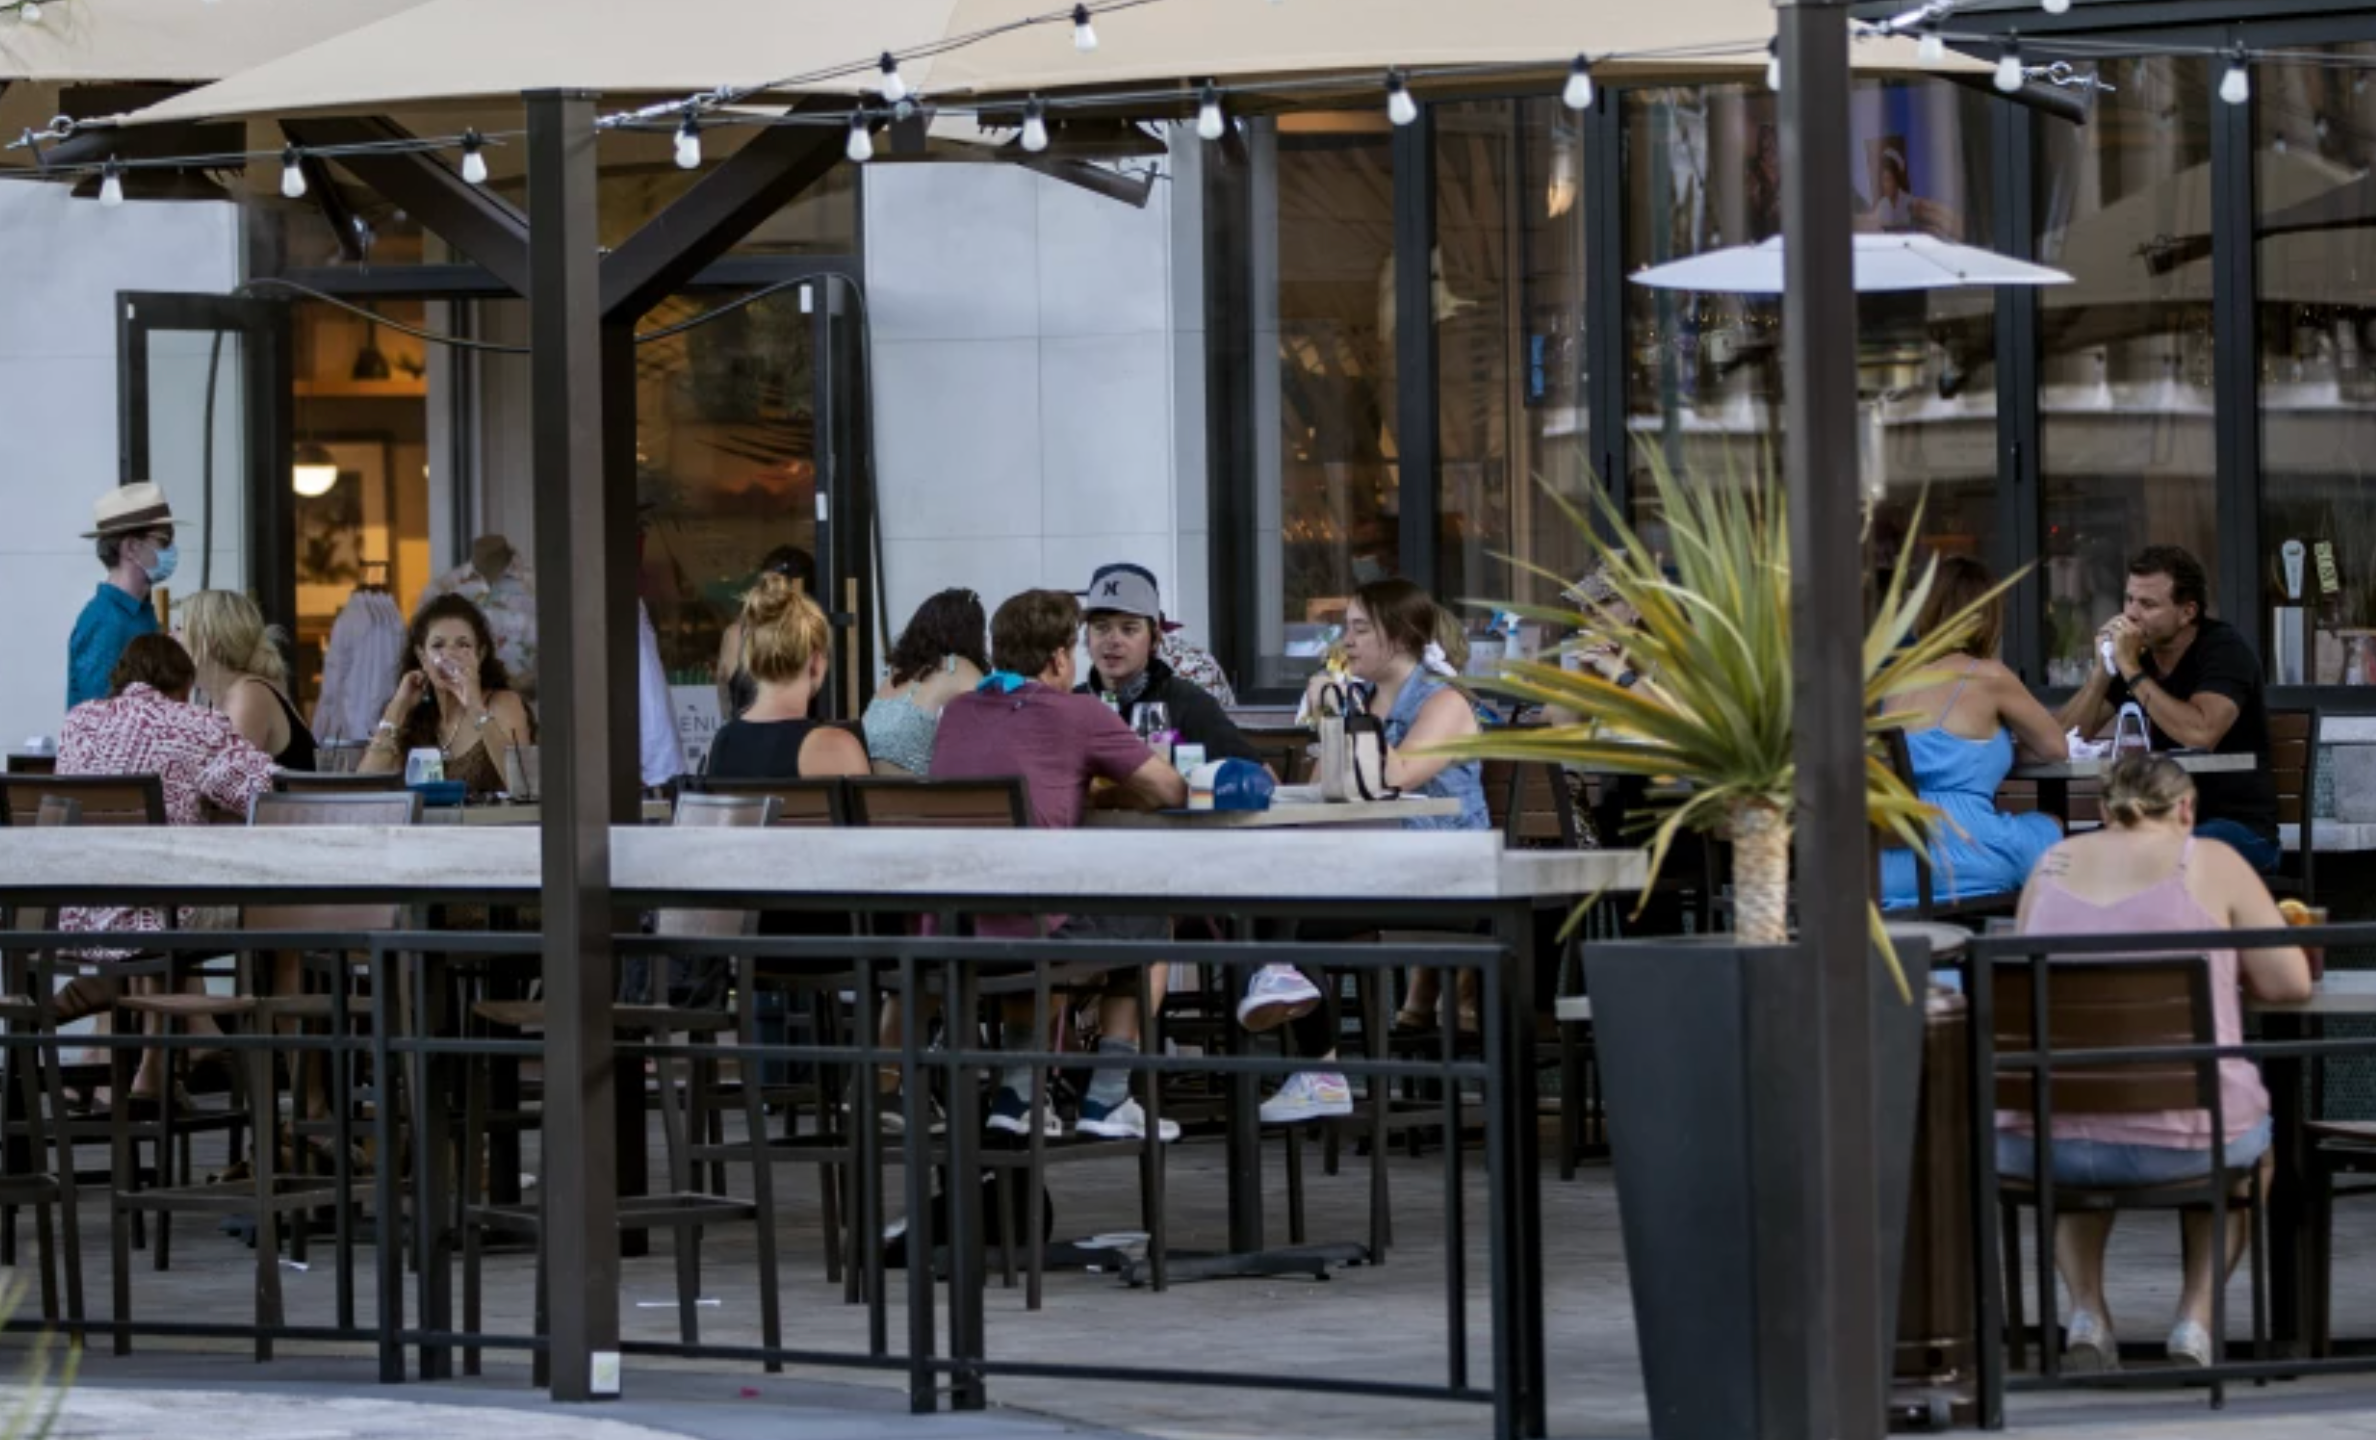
<point x="2204" y="380"/>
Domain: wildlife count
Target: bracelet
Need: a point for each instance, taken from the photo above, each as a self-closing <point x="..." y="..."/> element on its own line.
<point x="385" y="727"/>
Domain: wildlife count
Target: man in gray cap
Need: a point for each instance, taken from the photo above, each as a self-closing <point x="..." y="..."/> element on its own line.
<point x="134" y="530"/>
<point x="1124" y="631"/>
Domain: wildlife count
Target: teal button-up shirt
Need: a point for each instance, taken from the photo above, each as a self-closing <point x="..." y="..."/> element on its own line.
<point x="101" y="632"/>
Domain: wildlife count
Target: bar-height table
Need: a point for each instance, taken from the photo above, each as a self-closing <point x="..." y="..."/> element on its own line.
<point x="2297" y="1088"/>
<point x="2054" y="779"/>
<point x="1425" y="879"/>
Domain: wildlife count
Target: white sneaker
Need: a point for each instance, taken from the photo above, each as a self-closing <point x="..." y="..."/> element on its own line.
<point x="1010" y="1114"/>
<point x="1309" y="1095"/>
<point x="1126" y="1121"/>
<point x="2190" y="1344"/>
<point x="1277" y="994"/>
<point x="2089" y="1347"/>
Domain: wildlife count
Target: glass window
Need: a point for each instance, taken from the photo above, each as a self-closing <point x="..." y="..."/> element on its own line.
<point x="2125" y="365"/>
<point x="2314" y="138"/>
<point x="1326" y="494"/>
<point x="361" y="471"/>
<point x="1510" y="355"/>
<point x="1703" y="369"/>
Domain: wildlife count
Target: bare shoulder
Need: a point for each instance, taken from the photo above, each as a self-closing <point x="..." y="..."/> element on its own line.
<point x="836" y="752"/>
<point x="2058" y="861"/>
<point x="508" y="707"/>
<point x="1448" y="709"/>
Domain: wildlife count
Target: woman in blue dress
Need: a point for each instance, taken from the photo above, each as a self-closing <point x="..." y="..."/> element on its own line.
<point x="1963" y="742"/>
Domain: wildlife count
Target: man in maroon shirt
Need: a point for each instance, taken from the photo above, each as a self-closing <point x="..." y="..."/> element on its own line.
<point x="1024" y="720"/>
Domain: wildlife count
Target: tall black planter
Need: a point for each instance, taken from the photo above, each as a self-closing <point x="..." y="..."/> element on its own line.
<point x="1711" y="1091"/>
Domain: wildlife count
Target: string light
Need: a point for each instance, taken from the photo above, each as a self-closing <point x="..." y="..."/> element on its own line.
<point x="1578" y="94"/>
<point x="1084" y="33"/>
<point x="292" y="174"/>
<point x="474" y="164"/>
<point x="861" y="146"/>
<point x="1400" y="107"/>
<point x="2008" y="69"/>
<point x="1931" y="49"/>
<point x="2235" y="87"/>
<point x="30" y="12"/>
<point x="2055" y="7"/>
<point x="111" y="185"/>
<point x="1774" y="65"/>
<point x="895" y="89"/>
<point x="1210" y="122"/>
<point x="1035" y="125"/>
<point x="688" y="144"/>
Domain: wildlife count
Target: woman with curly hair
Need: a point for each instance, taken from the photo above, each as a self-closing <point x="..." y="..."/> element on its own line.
<point x="452" y="695"/>
<point x="940" y="655"/>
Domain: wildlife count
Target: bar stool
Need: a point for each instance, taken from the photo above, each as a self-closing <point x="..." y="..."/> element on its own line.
<point x="684" y="1209"/>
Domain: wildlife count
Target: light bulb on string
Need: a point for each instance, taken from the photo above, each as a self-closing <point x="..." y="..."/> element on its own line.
<point x="2235" y="87"/>
<point x="895" y="89"/>
<point x="1400" y="107"/>
<point x="1211" y="124"/>
<point x="861" y="146"/>
<point x="1035" y="125"/>
<point x="688" y="144"/>
<point x="30" y="12"/>
<point x="292" y="174"/>
<point x="2008" y="68"/>
<point x="111" y="185"/>
<point x="1774" y="65"/>
<point x="474" y="164"/>
<point x="2055" y="7"/>
<point x="1578" y="93"/>
<point x="1084" y="33"/>
<point x="1931" y="49"/>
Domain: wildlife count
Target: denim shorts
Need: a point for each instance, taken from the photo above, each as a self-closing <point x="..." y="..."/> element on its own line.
<point x="2110" y="1165"/>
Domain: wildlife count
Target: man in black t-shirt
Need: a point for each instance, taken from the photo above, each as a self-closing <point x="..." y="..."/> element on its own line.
<point x="2199" y="684"/>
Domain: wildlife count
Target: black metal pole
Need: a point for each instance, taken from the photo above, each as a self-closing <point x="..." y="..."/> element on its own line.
<point x="573" y="604"/>
<point x="1842" y="1307"/>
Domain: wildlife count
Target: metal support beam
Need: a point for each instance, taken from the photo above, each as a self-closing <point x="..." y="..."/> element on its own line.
<point x="573" y="613"/>
<point x="1840" y="1309"/>
<point x="1414" y="343"/>
<point x="710" y="219"/>
<point x="477" y="223"/>
<point x="2239" y="566"/>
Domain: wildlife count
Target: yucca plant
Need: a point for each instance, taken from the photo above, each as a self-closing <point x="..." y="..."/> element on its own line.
<point x="1714" y="708"/>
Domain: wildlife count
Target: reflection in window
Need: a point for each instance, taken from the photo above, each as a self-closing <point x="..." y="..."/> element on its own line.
<point x="1703" y="369"/>
<point x="725" y="452"/>
<point x="2314" y="139"/>
<point x="2125" y="373"/>
<point x="1326" y="492"/>
<point x="1510" y="366"/>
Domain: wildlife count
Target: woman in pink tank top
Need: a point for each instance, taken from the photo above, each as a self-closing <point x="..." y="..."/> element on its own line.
<point x="2146" y="871"/>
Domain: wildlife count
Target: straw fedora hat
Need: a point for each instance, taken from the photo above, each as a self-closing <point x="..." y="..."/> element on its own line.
<point x="130" y="510"/>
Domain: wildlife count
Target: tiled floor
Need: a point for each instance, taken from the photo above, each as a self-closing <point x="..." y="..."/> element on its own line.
<point x="1383" y="1322"/>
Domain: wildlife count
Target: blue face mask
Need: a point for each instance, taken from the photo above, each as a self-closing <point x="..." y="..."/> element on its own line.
<point x="161" y="569"/>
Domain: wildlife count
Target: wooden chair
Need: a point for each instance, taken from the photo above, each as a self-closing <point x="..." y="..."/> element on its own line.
<point x="32" y="764"/>
<point x="1531" y="805"/>
<point x="2116" y="1004"/>
<point x="683" y="1209"/>
<point x="2293" y="765"/>
<point x="1285" y="749"/>
<point x="98" y="799"/>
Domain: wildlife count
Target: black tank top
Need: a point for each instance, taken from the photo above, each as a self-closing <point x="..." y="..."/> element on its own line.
<point x="759" y="749"/>
<point x="298" y="754"/>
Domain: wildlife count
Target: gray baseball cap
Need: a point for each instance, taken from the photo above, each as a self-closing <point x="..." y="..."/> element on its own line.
<point x="1124" y="589"/>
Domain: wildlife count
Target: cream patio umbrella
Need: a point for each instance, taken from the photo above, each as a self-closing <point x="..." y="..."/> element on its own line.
<point x="190" y="41"/>
<point x="455" y="50"/>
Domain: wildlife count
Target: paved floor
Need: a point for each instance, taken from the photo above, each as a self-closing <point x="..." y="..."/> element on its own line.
<point x="1382" y="1322"/>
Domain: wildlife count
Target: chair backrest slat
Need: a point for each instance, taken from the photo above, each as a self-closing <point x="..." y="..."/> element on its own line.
<point x="2110" y="1005"/>
<point x="100" y="799"/>
<point x="999" y="803"/>
<point x="336" y="782"/>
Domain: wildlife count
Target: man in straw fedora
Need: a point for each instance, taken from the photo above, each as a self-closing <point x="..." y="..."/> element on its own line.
<point x="133" y="528"/>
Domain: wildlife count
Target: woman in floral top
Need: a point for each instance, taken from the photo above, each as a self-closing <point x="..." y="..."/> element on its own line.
<point x="147" y="726"/>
